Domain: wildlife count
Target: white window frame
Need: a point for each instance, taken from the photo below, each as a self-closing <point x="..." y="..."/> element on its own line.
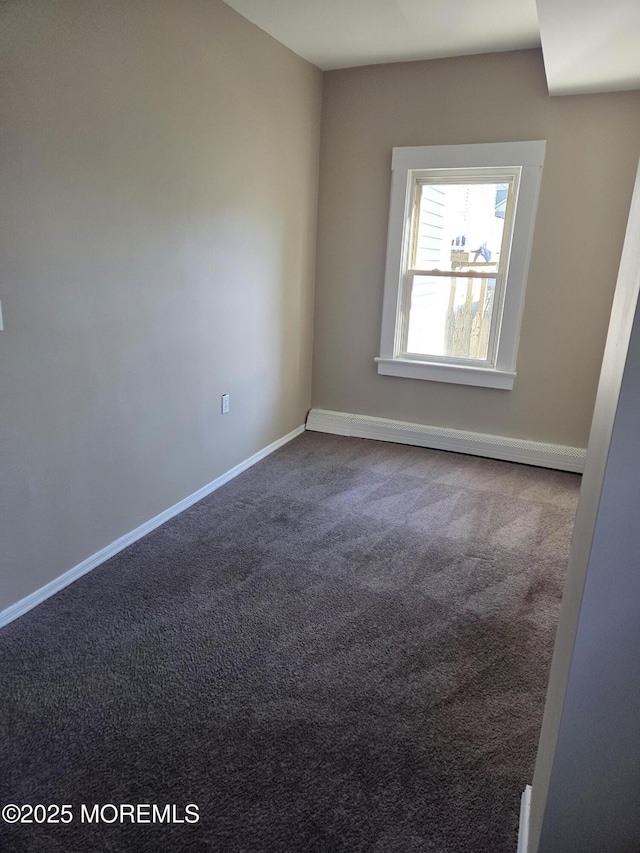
<point x="525" y="159"/>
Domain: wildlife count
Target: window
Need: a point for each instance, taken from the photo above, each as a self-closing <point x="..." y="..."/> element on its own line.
<point x="461" y="225"/>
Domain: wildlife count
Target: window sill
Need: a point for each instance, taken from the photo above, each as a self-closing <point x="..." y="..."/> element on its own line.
<point x="458" y="374"/>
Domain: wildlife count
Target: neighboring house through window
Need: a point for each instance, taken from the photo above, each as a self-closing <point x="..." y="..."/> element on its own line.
<point x="461" y="224"/>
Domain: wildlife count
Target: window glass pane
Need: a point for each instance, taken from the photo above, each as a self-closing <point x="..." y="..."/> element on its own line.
<point x="450" y="316"/>
<point x="460" y="226"/>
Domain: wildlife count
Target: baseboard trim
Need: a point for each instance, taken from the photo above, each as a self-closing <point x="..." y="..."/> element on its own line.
<point x="441" y="438"/>
<point x="525" y="809"/>
<point x="14" y="611"/>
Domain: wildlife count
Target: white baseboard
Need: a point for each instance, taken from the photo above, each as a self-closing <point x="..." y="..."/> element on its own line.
<point x="24" y="605"/>
<point x="441" y="438"/>
<point x="525" y="809"/>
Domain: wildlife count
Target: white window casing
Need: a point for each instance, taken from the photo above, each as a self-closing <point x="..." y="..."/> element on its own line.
<point x="520" y="162"/>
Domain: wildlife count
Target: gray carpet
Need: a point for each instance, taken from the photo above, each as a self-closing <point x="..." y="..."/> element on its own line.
<point x="346" y="648"/>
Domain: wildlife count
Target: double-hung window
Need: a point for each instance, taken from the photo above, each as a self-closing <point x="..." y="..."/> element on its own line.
<point x="461" y="224"/>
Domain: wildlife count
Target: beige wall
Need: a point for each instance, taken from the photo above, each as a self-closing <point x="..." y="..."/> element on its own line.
<point x="157" y="227"/>
<point x="593" y="144"/>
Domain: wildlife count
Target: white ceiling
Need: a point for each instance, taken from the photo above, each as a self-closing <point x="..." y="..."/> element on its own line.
<point x="588" y="45"/>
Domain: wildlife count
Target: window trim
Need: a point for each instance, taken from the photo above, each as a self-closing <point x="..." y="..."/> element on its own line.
<point x="528" y="158"/>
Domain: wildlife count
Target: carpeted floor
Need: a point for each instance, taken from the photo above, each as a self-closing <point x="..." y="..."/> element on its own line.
<point x="346" y="648"/>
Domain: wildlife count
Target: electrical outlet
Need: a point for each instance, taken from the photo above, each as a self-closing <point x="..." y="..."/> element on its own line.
<point x="224" y="408"/>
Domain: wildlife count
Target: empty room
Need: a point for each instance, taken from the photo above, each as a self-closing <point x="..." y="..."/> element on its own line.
<point x="319" y="377"/>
